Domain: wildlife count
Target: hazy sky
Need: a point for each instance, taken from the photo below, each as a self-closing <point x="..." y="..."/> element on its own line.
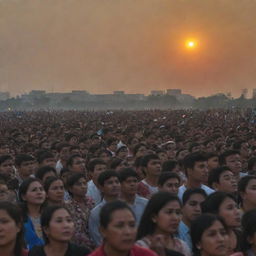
<point x="130" y="45"/>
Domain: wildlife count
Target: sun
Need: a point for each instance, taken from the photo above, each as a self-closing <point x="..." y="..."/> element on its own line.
<point x="191" y="44"/>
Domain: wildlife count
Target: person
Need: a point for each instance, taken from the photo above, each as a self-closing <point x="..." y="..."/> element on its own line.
<point x="54" y="188"/>
<point x="129" y="183"/>
<point x="44" y="172"/>
<point x="63" y="151"/>
<point x="209" y="235"/>
<point x="249" y="233"/>
<point x="191" y="209"/>
<point x="32" y="197"/>
<point x="76" y="164"/>
<point x="152" y="168"/>
<point x="225" y="205"/>
<point x="169" y="182"/>
<point x="195" y="165"/>
<point x="95" y="168"/>
<point x="80" y="206"/>
<point x="118" y="228"/>
<point x="46" y="158"/>
<point x="58" y="229"/>
<point x="247" y="192"/>
<point x="109" y="183"/>
<point x="222" y="179"/>
<point x="11" y="230"/>
<point x="212" y="160"/>
<point x="161" y="218"/>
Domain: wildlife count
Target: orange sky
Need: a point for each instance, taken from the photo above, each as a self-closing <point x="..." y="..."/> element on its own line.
<point x="131" y="45"/>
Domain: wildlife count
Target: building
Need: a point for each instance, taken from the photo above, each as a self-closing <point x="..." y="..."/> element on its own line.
<point x="173" y="92"/>
<point x="157" y="93"/>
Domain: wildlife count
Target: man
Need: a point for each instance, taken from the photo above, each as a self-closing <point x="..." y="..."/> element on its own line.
<point x="76" y="164"/>
<point x="64" y="152"/>
<point x="110" y="187"/>
<point x="169" y="182"/>
<point x="95" y="168"/>
<point x="195" y="165"/>
<point x="129" y="184"/>
<point x="192" y="200"/>
<point x="46" y="158"/>
<point x="152" y="168"/>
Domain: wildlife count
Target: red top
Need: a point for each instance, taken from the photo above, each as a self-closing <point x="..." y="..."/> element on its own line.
<point x="135" y="251"/>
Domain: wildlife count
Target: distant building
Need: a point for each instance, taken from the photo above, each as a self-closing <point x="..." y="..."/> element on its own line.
<point x="254" y="93"/>
<point x="244" y="92"/>
<point x="4" y="95"/>
<point x="119" y="93"/>
<point x="157" y="93"/>
<point x="173" y="92"/>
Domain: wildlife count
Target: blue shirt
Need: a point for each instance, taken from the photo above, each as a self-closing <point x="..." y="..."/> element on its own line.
<point x="184" y="234"/>
<point x="138" y="207"/>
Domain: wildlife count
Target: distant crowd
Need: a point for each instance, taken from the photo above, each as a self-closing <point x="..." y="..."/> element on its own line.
<point x="128" y="183"/>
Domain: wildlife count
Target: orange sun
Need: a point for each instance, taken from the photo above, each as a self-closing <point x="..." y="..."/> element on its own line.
<point x="191" y="44"/>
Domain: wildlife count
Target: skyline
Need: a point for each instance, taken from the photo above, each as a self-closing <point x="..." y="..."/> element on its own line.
<point x="104" y="46"/>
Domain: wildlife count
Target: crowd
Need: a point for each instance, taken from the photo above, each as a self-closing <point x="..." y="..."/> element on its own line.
<point x="128" y="183"/>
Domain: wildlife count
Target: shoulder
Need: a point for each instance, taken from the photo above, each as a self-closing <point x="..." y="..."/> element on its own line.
<point x="36" y="251"/>
<point x="140" y="199"/>
<point x="138" y="251"/>
<point x="78" y="250"/>
<point x="207" y="189"/>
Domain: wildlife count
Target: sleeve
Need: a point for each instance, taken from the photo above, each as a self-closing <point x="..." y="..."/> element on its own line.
<point x="94" y="228"/>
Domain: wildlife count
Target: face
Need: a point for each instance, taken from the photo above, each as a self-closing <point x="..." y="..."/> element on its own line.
<point x="56" y="192"/>
<point x="192" y="208"/>
<point x="78" y="165"/>
<point x="27" y="168"/>
<point x="64" y="153"/>
<point x="214" y="240"/>
<point x="249" y="195"/>
<point x="49" y="162"/>
<point x="182" y="154"/>
<point x="168" y="218"/>
<point x="227" y="182"/>
<point x="98" y="169"/>
<point x="8" y="229"/>
<point x="105" y="157"/>
<point x="111" y="187"/>
<point x="141" y="151"/>
<point x="48" y="174"/>
<point x="163" y="156"/>
<point x="4" y="192"/>
<point x="200" y="172"/>
<point x="129" y="186"/>
<point x="171" y="185"/>
<point x="229" y="212"/>
<point x="234" y="163"/>
<point x="6" y="168"/>
<point x="123" y="153"/>
<point x="213" y="162"/>
<point x="245" y="150"/>
<point x="120" y="233"/>
<point x="61" y="226"/>
<point x="35" y="194"/>
<point x="79" y="188"/>
<point x="153" y="167"/>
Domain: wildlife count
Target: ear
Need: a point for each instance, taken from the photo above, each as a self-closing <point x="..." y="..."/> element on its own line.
<point x="153" y="218"/>
<point x="23" y="197"/>
<point x="242" y="195"/>
<point x="215" y="186"/>
<point x="45" y="230"/>
<point x="198" y="246"/>
<point x="102" y="232"/>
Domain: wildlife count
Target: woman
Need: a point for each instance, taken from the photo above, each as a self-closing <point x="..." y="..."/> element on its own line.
<point x="54" y="188"/>
<point x="80" y="206"/>
<point x="209" y="235"/>
<point x="58" y="229"/>
<point x="249" y="233"/>
<point x="161" y="219"/>
<point x="32" y="197"/>
<point x="11" y="230"/>
<point x="118" y="228"/>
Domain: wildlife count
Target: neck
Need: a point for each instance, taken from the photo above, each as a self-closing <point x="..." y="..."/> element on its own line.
<point x="193" y="184"/>
<point x="152" y="180"/>
<point x="8" y="250"/>
<point x="186" y="222"/>
<point x="110" y="198"/>
<point x="128" y="198"/>
<point x="79" y="199"/>
<point x="49" y="202"/>
<point x="247" y="206"/>
<point x="110" y="251"/>
<point x="34" y="210"/>
<point x="56" y="248"/>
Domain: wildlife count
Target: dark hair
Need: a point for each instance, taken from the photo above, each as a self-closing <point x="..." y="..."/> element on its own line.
<point x="49" y="182"/>
<point x="93" y="163"/>
<point x="211" y="155"/>
<point x="126" y="173"/>
<point x="137" y="147"/>
<point x="19" y="159"/>
<point x="242" y="185"/>
<point x="249" y="228"/>
<point x="115" y="162"/>
<point x="44" y="170"/>
<point x="169" y="165"/>
<point x="44" y="155"/>
<point x="62" y="145"/>
<point x="46" y="217"/>
<point x="190" y="160"/>
<point x="109" y="208"/>
<point x="214" y="175"/>
<point x="15" y="213"/>
<point x="147" y="158"/>
<point x="213" y="201"/>
<point x="71" y="159"/>
<point x="198" y="227"/>
<point x="226" y="154"/>
<point x="251" y="163"/>
<point x="164" y="176"/>
<point x="107" y="175"/>
<point x="155" y="204"/>
<point x="192" y="191"/>
<point x="4" y="158"/>
<point x="74" y="178"/>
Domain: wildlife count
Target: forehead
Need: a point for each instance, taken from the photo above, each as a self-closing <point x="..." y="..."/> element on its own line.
<point x="226" y="173"/>
<point x="196" y="197"/>
<point x="172" y="180"/>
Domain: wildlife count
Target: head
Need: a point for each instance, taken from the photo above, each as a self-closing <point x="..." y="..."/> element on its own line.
<point x="76" y="163"/>
<point x="170" y="166"/>
<point x="212" y="161"/>
<point x="77" y="185"/>
<point x="63" y="150"/>
<point x="224" y="205"/>
<point x="161" y="215"/>
<point x="209" y="235"/>
<point x="118" y="226"/>
<point x="129" y="181"/>
<point x="26" y="165"/>
<point x="57" y="224"/>
<point x="11" y="226"/>
<point x="152" y="165"/>
<point x="46" y="159"/>
<point x="192" y="200"/>
<point x="54" y="188"/>
<point x="231" y="158"/>
<point x="95" y="168"/>
<point x="6" y="165"/>
<point x="122" y="152"/>
<point x="169" y="182"/>
<point x="4" y="190"/>
<point x="222" y="179"/>
<point x="140" y="150"/>
<point x="44" y="172"/>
